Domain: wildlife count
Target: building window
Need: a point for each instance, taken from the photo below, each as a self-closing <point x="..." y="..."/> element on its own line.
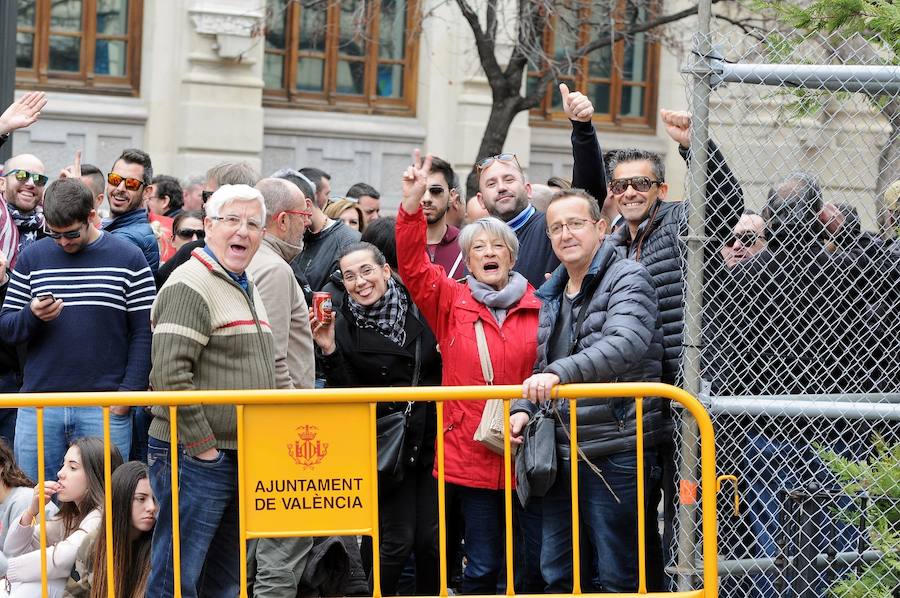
<point x="619" y="79"/>
<point x="352" y="54"/>
<point x="79" y="44"/>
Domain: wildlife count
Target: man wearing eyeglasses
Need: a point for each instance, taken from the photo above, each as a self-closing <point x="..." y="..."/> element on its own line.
<point x="23" y="185"/>
<point x="79" y="301"/>
<point x="748" y="239"/>
<point x="126" y="183"/>
<point x="598" y="323"/>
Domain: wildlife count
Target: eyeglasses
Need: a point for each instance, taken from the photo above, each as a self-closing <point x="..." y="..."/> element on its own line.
<point x="640" y="183"/>
<point x="205" y="195"/>
<point x="747" y="239"/>
<point x="480" y="166"/>
<point x="295" y="212"/>
<point x="189" y="233"/>
<point x="365" y="272"/>
<point x="574" y="225"/>
<point x="23" y="175"/>
<point x="131" y="184"/>
<point x="436" y="190"/>
<point x="234" y="221"/>
<point x="69" y="234"/>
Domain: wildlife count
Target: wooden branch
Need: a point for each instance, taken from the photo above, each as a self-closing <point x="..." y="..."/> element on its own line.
<point x="483" y="43"/>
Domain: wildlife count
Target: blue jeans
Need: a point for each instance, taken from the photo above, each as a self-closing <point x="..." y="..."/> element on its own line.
<point x="609" y="528"/>
<point x="484" y="516"/>
<point x="208" y="516"/>
<point x="774" y="467"/>
<point x="62" y="426"/>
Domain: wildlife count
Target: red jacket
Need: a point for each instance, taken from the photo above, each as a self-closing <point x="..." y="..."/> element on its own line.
<point x="451" y="312"/>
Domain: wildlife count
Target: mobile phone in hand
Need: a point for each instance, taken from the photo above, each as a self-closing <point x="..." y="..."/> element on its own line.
<point x="46" y="295"/>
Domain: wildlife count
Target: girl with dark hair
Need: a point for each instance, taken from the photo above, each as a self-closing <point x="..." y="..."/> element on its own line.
<point x="15" y="494"/>
<point x="79" y="492"/>
<point x="133" y="518"/>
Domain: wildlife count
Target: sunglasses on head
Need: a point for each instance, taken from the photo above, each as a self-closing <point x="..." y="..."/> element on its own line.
<point x="189" y="233"/>
<point x="641" y="184"/>
<point x="747" y="239"/>
<point x="23" y="175"/>
<point x="480" y="166"/>
<point x="130" y="184"/>
<point x="69" y="234"/>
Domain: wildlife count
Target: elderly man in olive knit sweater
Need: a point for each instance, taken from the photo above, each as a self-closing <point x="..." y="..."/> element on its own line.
<point x="210" y="332"/>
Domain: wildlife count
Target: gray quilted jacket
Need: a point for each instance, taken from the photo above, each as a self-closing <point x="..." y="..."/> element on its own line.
<point x="620" y="341"/>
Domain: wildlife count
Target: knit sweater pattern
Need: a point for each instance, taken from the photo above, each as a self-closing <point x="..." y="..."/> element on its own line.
<point x="208" y="335"/>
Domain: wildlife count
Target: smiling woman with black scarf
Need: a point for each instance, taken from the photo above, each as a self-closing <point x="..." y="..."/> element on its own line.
<point x="379" y="339"/>
<point x="500" y="304"/>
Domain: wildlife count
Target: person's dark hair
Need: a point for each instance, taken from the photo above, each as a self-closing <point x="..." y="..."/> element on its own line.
<point x="91" y="449"/>
<point x="169" y="186"/>
<point x="380" y="233"/>
<point x="97" y="180"/>
<point x="10" y="473"/>
<point x="616" y="157"/>
<point x="558" y="182"/>
<point x="136" y="156"/>
<point x="315" y="175"/>
<point x="176" y="222"/>
<point x="442" y="166"/>
<point x="292" y="176"/>
<point x="792" y="211"/>
<point x="67" y="201"/>
<point x="363" y="246"/>
<point x="233" y="173"/>
<point x="593" y="206"/>
<point x="359" y="189"/>
<point x="131" y="559"/>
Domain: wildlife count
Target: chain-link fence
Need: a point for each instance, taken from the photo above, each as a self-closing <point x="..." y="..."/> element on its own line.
<point x="792" y="329"/>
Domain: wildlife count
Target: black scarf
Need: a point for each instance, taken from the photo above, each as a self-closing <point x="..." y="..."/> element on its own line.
<point x="387" y="315"/>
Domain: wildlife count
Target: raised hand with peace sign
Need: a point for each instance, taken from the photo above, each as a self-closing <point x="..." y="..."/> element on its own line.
<point x="415" y="180"/>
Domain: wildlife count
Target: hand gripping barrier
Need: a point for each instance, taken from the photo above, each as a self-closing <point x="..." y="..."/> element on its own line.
<point x="366" y="399"/>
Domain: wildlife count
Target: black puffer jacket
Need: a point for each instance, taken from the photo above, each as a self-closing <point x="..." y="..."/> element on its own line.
<point x="619" y="341"/>
<point x="364" y="357"/>
<point x="658" y="246"/>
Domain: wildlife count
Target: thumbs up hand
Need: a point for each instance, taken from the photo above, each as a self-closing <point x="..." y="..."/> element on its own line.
<point x="576" y="104"/>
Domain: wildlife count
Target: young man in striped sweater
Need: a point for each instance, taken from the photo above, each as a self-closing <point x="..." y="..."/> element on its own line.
<point x="79" y="300"/>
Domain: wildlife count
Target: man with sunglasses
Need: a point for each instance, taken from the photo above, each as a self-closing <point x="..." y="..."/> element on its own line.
<point x="441" y="238"/>
<point x="79" y="301"/>
<point x="22" y="186"/>
<point x="126" y="183"/>
<point x="747" y="240"/>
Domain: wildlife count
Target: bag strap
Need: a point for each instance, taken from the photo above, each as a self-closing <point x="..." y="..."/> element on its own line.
<point x="487" y="368"/>
<point x="455" y="265"/>
<point x="583" y="457"/>
<point x="417" y="369"/>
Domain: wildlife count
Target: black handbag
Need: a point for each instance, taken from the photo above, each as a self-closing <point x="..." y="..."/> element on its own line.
<point x="536" y="460"/>
<point x="391" y="435"/>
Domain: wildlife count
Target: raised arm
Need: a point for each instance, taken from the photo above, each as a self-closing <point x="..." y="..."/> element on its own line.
<point x="724" y="196"/>
<point x="588" y="169"/>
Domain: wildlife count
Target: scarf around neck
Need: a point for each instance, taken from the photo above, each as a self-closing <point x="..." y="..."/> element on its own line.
<point x="498" y="302"/>
<point x="29" y="225"/>
<point x="386" y="316"/>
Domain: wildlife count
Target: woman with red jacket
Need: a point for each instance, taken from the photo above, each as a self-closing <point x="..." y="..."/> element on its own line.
<point x="505" y="303"/>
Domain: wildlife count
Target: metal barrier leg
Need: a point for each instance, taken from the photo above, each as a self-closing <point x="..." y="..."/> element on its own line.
<point x="42" y="512"/>
<point x="641" y="510"/>
<point x="242" y="516"/>
<point x="576" y="517"/>
<point x="107" y="505"/>
<point x="176" y="531"/>
<point x="442" y="501"/>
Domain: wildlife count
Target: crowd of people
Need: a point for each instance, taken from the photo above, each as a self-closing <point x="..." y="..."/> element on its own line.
<point x="133" y="281"/>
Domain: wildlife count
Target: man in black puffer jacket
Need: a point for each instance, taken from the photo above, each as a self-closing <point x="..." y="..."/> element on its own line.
<point x="598" y="323"/>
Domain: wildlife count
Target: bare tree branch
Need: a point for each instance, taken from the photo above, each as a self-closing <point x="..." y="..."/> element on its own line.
<point x="484" y="43"/>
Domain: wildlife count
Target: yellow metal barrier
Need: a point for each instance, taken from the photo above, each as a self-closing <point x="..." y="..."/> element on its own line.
<point x="371" y="396"/>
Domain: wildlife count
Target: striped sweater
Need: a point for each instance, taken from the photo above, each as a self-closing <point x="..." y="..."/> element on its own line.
<point x="208" y="335"/>
<point x="101" y="339"/>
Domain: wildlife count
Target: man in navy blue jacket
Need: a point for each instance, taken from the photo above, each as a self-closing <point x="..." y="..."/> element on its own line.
<point x="125" y="186"/>
<point x="79" y="300"/>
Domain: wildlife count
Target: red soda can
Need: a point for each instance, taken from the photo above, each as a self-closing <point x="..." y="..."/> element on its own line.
<point x="322" y="306"/>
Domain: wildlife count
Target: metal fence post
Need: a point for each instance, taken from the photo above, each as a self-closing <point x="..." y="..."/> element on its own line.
<point x="694" y="243"/>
